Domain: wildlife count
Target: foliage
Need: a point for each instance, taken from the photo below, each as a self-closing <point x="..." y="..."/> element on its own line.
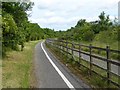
<point x="17" y="29"/>
<point x="10" y="31"/>
<point x="88" y="36"/>
<point x="103" y="31"/>
<point x="104" y="22"/>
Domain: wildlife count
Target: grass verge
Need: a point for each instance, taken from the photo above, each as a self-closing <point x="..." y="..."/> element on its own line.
<point x="114" y="46"/>
<point x="17" y="67"/>
<point x="95" y="81"/>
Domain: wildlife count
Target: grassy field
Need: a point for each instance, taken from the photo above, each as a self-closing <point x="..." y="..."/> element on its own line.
<point x="17" y="67"/>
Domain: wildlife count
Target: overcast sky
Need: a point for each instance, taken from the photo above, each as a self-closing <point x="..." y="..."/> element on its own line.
<point x="63" y="14"/>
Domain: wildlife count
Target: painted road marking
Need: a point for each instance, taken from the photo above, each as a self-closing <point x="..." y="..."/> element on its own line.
<point x="58" y="70"/>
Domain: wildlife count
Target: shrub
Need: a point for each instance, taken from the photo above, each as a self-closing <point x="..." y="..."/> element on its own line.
<point x="88" y="36"/>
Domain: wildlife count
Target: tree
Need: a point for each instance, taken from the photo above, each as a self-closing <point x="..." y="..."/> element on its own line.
<point x="9" y="30"/>
<point x="81" y="22"/>
<point x="17" y="10"/>
<point x="104" y="22"/>
<point x="16" y="27"/>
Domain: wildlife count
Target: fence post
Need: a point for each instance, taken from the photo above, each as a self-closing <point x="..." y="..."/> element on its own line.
<point x="67" y="46"/>
<point x="64" y="46"/>
<point x="60" y="48"/>
<point x="108" y="64"/>
<point x="72" y="50"/>
<point x="56" y="44"/>
<point x="90" y="47"/>
<point x="67" y="49"/>
<point x="79" y="54"/>
<point x="59" y="45"/>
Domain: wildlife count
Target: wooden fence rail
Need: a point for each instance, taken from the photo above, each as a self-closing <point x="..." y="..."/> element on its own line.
<point x="66" y="46"/>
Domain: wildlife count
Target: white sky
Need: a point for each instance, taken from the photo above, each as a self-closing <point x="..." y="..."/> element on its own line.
<point x="63" y="14"/>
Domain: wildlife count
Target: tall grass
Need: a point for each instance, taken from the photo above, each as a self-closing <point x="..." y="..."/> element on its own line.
<point x="17" y="66"/>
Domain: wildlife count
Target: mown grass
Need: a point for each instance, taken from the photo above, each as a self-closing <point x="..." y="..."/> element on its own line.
<point x="17" y="67"/>
<point x="94" y="80"/>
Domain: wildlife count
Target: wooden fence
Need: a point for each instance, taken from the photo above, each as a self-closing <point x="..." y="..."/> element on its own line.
<point x="70" y="48"/>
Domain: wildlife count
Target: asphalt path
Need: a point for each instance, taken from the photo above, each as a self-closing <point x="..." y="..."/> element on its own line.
<point x="51" y="73"/>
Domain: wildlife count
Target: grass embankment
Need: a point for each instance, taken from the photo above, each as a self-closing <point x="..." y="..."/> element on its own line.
<point x="114" y="46"/>
<point x="17" y="67"/>
<point x="83" y="73"/>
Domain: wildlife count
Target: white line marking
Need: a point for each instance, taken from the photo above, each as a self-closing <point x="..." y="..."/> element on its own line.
<point x="58" y="70"/>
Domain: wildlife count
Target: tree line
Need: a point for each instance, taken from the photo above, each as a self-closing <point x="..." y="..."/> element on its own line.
<point x="16" y="29"/>
<point x="103" y="30"/>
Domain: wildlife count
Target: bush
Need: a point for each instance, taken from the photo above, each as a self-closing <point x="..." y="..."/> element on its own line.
<point x="107" y="36"/>
<point x="88" y="36"/>
<point x="10" y="30"/>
